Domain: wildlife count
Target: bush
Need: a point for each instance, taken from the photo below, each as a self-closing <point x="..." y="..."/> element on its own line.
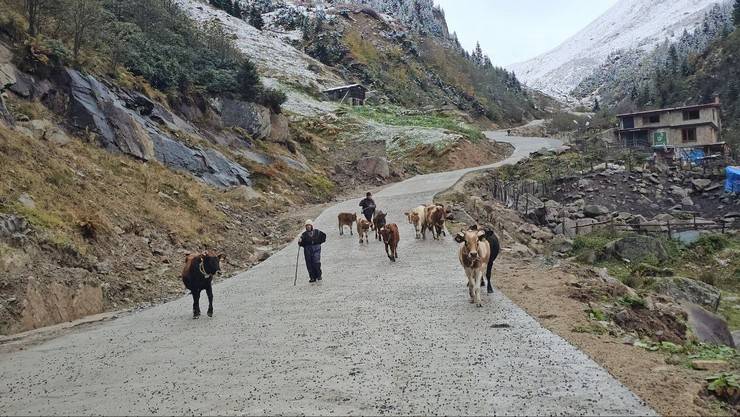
<point x="272" y="98"/>
<point x="248" y="81"/>
<point x="12" y="25"/>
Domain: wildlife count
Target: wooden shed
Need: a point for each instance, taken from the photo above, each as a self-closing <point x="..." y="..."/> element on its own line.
<point x="353" y="94"/>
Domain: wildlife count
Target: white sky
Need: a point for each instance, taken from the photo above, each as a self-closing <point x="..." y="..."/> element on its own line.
<point x="511" y="31"/>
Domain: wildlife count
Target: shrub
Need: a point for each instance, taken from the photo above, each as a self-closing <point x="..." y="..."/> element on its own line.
<point x="248" y="80"/>
<point x="12" y="24"/>
<point x="272" y="98"/>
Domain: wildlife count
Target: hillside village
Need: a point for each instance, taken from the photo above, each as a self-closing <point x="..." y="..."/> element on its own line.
<point x="147" y="130"/>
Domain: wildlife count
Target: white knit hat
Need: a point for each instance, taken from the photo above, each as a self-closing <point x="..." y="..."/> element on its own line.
<point x="309" y="222"/>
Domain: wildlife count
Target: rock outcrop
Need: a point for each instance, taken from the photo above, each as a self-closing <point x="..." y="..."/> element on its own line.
<point x="130" y="123"/>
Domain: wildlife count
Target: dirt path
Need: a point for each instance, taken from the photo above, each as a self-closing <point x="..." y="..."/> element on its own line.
<point x="373" y="338"/>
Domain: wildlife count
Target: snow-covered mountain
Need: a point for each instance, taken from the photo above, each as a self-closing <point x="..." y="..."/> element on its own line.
<point x="630" y="24"/>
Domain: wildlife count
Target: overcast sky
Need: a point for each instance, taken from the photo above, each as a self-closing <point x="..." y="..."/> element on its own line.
<point x="511" y="31"/>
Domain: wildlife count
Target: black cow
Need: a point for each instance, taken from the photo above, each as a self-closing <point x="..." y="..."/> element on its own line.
<point x="198" y="276"/>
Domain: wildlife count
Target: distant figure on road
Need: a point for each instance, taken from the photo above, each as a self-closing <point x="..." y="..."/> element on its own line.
<point x="368" y="207"/>
<point x="508" y="132"/>
<point x="311" y="241"/>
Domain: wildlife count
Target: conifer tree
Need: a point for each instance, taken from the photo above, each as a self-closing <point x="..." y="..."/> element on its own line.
<point x="736" y="13"/>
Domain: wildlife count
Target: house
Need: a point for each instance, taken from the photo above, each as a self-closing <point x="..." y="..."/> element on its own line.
<point x="695" y="127"/>
<point x="353" y="94"/>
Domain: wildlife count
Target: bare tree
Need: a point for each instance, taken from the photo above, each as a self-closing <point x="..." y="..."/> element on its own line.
<point x="83" y="15"/>
<point x="36" y="10"/>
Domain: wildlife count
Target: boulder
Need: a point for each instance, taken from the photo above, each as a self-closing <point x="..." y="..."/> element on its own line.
<point x="209" y="165"/>
<point x="701" y="184"/>
<point x="679" y="191"/>
<point x="11" y="225"/>
<point x="637" y="249"/>
<point x="585" y="226"/>
<point x="253" y="118"/>
<point x="561" y="244"/>
<point x="566" y="228"/>
<point x="27" y="201"/>
<point x="687" y="202"/>
<point x="374" y="166"/>
<point x="708" y="327"/>
<point x="279" y="130"/>
<point x="693" y="291"/>
<point x="595" y="211"/>
<point x="46" y="130"/>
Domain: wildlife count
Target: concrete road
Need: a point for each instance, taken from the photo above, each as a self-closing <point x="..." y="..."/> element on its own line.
<point x="373" y="338"/>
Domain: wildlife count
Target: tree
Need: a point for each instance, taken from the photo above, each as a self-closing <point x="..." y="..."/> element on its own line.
<point x="597" y="107"/>
<point x="478" y="54"/>
<point x="236" y="11"/>
<point x="82" y="15"/>
<point x="248" y="80"/>
<point x="736" y="13"/>
<point x="255" y="18"/>
<point x="36" y="10"/>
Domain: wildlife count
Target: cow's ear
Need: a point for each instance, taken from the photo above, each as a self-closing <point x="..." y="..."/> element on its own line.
<point x="460" y="238"/>
<point x="481" y="234"/>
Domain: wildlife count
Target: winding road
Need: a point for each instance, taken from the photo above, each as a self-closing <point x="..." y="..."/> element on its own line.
<point x="374" y="338"/>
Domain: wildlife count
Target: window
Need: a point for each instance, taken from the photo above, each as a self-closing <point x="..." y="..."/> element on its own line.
<point x="652" y="119"/>
<point x="691" y="115"/>
<point x="689" y="135"/>
<point x="628" y="123"/>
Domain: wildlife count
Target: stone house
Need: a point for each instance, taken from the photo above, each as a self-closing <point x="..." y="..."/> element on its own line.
<point x="353" y="94"/>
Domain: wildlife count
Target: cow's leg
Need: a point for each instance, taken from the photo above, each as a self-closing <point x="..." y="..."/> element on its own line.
<point x="196" y="302"/>
<point x="489" y="272"/>
<point x="471" y="284"/>
<point x="478" y="276"/>
<point x="209" y="293"/>
<point x="341" y="229"/>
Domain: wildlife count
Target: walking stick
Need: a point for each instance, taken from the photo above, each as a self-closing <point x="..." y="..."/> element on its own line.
<point x="295" y="280"/>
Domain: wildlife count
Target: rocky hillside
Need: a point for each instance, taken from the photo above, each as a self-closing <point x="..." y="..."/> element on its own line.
<point x="628" y="25"/>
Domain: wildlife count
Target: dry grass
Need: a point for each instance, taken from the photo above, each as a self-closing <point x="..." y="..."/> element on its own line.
<point x="78" y="184"/>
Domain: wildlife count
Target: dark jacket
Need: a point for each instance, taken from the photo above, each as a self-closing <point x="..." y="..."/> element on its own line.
<point x="312" y="238"/>
<point x="367" y="204"/>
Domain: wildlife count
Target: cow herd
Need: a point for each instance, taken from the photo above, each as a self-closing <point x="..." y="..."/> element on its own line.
<point x="478" y="249"/>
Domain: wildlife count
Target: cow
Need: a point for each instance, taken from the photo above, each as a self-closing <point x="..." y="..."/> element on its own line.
<point x="198" y="276"/>
<point x="474" y="253"/>
<point x="391" y="237"/>
<point x="495" y="251"/>
<point x="436" y="215"/>
<point x="379" y="220"/>
<point x="346" y="219"/>
<point x="417" y="217"/>
<point x="363" y="227"/>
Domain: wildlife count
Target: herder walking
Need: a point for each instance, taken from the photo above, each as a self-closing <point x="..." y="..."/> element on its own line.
<point x="311" y="241"/>
<point x="368" y="207"/>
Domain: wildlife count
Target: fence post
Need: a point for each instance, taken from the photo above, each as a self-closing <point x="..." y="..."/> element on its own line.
<point x="526" y="207"/>
<point x="668" y="223"/>
<point x="723" y="226"/>
<point x="695" y="226"/>
<point x="577" y="231"/>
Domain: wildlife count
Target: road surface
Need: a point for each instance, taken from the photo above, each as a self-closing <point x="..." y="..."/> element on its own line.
<point x="373" y="338"/>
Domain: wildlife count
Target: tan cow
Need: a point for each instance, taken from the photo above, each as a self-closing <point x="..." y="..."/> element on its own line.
<point x="417" y="217"/>
<point x="346" y="219"/>
<point x="363" y="227"/>
<point x="436" y="215"/>
<point x="473" y="254"/>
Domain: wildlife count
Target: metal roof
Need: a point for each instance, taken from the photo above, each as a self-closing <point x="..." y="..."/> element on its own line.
<point x="695" y="106"/>
<point x="344" y="87"/>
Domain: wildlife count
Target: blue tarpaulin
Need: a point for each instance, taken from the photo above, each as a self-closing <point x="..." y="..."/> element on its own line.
<point x="732" y="184"/>
<point x="696" y="155"/>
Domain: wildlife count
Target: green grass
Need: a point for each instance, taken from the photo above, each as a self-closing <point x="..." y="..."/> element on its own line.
<point x="396" y="116"/>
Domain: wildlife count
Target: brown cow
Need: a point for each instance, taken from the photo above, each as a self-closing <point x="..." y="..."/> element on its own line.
<point x="391" y="237"/>
<point x="435" y="220"/>
<point x="418" y="217"/>
<point x="198" y="276"/>
<point x="474" y="254"/>
<point x="363" y="227"/>
<point x="379" y="220"/>
<point x="346" y="219"/>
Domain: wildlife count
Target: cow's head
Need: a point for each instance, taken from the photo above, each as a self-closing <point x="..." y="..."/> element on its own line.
<point x="211" y="262"/>
<point x="470" y="239"/>
<point x="380" y="217"/>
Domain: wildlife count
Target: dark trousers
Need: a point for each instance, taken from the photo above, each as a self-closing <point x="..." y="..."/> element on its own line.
<point x="369" y="214"/>
<point x="313" y="261"/>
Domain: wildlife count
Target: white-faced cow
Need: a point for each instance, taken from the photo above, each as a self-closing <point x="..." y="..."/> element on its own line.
<point x="474" y="254"/>
<point x="363" y="227"/>
<point x="418" y="217"/>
